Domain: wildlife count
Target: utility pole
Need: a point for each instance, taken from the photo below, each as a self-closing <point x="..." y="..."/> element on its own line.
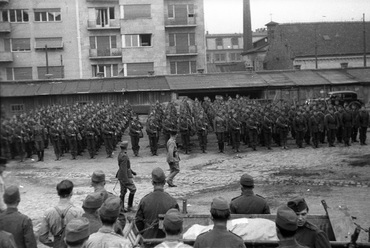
<point x="364" y="25"/>
<point x="47" y="59"/>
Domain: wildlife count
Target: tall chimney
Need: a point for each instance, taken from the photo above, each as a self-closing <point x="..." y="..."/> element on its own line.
<point x="247" y="26"/>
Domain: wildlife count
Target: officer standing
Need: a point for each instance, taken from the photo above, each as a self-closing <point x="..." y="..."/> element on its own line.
<point x="219" y="125"/>
<point x="235" y="127"/>
<point x="153" y="133"/>
<point x="135" y="134"/>
<point x="300" y="128"/>
<point x="202" y="132"/>
<point x="347" y="123"/>
<point x="38" y="134"/>
<point x="248" y="202"/>
<point x="307" y="233"/>
<point x="125" y="177"/>
<point x="173" y="158"/>
<point x="283" y="127"/>
<point x="71" y="134"/>
<point x="267" y="127"/>
<point x="363" y="120"/>
<point x="55" y="136"/>
<point x="252" y="125"/>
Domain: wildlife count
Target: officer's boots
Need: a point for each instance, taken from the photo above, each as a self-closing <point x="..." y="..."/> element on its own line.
<point x="42" y="155"/>
<point x="39" y="155"/>
<point x="130" y="203"/>
<point x="122" y="197"/>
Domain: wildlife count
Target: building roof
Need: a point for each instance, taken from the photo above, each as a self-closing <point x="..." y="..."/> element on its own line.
<point x="192" y="82"/>
<point x="332" y="38"/>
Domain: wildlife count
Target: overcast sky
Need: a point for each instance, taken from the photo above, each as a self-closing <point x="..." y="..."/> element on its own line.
<point x="226" y="16"/>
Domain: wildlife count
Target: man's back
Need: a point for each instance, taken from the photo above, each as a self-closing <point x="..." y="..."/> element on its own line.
<point x="249" y="203"/>
<point x="219" y="237"/>
<point x="151" y="205"/>
<point x="105" y="237"/>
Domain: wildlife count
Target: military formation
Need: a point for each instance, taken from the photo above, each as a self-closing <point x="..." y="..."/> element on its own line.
<point x="234" y="121"/>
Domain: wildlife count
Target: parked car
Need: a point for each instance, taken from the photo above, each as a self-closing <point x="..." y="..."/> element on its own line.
<point x="338" y="98"/>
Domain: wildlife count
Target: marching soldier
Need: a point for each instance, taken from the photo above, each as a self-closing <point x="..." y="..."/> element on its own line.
<point x="219" y="126"/>
<point x="267" y="126"/>
<point x="108" y="132"/>
<point x="331" y="124"/>
<point x="235" y="126"/>
<point x="135" y="134"/>
<point x="300" y="128"/>
<point x="55" y="136"/>
<point x="202" y="131"/>
<point x="90" y="132"/>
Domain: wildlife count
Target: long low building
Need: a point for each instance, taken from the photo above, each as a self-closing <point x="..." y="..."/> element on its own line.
<point x="141" y="92"/>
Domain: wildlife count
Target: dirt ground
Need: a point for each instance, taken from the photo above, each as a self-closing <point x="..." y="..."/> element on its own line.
<point x="340" y="176"/>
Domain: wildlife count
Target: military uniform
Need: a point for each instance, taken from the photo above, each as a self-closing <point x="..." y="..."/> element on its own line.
<point x="135" y="131"/>
<point x="72" y="134"/>
<point x="173" y="160"/>
<point x="252" y="125"/>
<point x="283" y="128"/>
<point x="316" y="126"/>
<point x="363" y="120"/>
<point x="234" y="127"/>
<point x="267" y="127"/>
<point x="125" y="176"/>
<point x="202" y="132"/>
<point x="152" y="130"/>
<point x="300" y="128"/>
<point x="108" y="132"/>
<point x="55" y="136"/>
<point x="347" y="123"/>
<point x="311" y="236"/>
<point x="38" y="134"/>
<point x="185" y="130"/>
<point x="219" y="237"/>
<point x="90" y="132"/>
<point x="151" y="205"/>
<point x="219" y="126"/>
<point x="249" y="203"/>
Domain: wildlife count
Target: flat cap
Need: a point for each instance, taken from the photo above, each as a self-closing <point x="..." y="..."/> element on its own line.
<point x="77" y="229"/>
<point x="298" y="204"/>
<point x="98" y="176"/>
<point x="173" y="219"/>
<point x="94" y="200"/>
<point x="124" y="144"/>
<point x="110" y="207"/>
<point x="246" y="180"/>
<point x="3" y="161"/>
<point x="158" y="175"/>
<point x="286" y="218"/>
<point x="219" y="203"/>
<point x="11" y="195"/>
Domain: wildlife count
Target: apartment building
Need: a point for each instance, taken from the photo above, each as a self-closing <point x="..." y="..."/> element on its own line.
<point x="100" y="38"/>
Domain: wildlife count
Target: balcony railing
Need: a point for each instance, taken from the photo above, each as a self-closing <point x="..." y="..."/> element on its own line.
<point x="5" y="27"/>
<point x="176" y="50"/>
<point x="6" y="57"/>
<point x="189" y="22"/>
<point x="105" y="53"/>
<point x="112" y="24"/>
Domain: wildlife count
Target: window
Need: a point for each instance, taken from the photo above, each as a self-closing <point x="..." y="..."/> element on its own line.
<point x="235" y="41"/>
<point x="137" y="40"/>
<point x="20" y="44"/>
<point x="175" y="37"/>
<point x="15" y="15"/>
<point x="19" y="73"/>
<point x="208" y="57"/>
<point x="219" y="42"/>
<point x="105" y="70"/>
<point x="183" y="67"/>
<point x="17" y="108"/>
<point x="191" y="10"/>
<point x="47" y="15"/>
<point x="234" y="57"/>
<point x="135" y="11"/>
<point x="104" y="15"/>
<point x="137" y="69"/>
<point x="171" y="11"/>
<point x="56" y="71"/>
<point x="97" y="42"/>
<point x="55" y="43"/>
<point x="220" y="57"/>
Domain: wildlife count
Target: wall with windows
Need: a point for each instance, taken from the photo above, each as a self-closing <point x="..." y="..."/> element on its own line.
<point x="34" y="24"/>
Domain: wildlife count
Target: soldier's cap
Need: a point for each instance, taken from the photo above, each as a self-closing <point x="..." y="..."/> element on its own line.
<point x="98" y="176"/>
<point x="93" y="200"/>
<point x="173" y="219"/>
<point x="77" y="229"/>
<point x="246" y="180"/>
<point x="11" y="195"/>
<point x="298" y="204"/>
<point x="158" y="175"/>
<point x="219" y="203"/>
<point x="286" y="218"/>
<point x="110" y="207"/>
<point x="3" y="161"/>
<point x="124" y="144"/>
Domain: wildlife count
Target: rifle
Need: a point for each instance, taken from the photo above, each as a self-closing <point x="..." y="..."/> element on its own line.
<point x="354" y="237"/>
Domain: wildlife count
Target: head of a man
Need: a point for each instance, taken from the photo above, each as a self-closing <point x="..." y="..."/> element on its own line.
<point x="246" y="182"/>
<point x="158" y="177"/>
<point x="286" y="222"/>
<point x="77" y="232"/>
<point x="98" y="179"/>
<point x="172" y="222"/>
<point x="299" y="206"/>
<point x="65" y="188"/>
<point x="123" y="145"/>
<point x="110" y="210"/>
<point x="220" y="210"/>
<point x="173" y="133"/>
<point x="12" y="196"/>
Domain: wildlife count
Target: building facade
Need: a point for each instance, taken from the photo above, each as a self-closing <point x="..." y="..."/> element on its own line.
<point x="100" y="38"/>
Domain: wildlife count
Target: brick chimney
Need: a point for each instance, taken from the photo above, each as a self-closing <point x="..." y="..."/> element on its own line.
<point x="247" y="26"/>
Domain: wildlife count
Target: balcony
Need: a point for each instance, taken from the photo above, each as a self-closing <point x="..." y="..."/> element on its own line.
<point x="5" y="27"/>
<point x="173" y="23"/>
<point x="181" y="51"/>
<point x="109" y="53"/>
<point x="112" y="24"/>
<point x="6" y="57"/>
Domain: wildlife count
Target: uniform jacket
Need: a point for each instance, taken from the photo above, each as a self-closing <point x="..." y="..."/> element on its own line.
<point x="94" y="222"/>
<point x="219" y="237"/>
<point x="106" y="237"/>
<point x="124" y="172"/>
<point x="20" y="226"/>
<point x="234" y="124"/>
<point x="363" y="119"/>
<point x="219" y="124"/>
<point x="316" y="124"/>
<point x="300" y="124"/>
<point x="135" y="128"/>
<point x="311" y="236"/>
<point x="172" y="154"/>
<point x="151" y="205"/>
<point x="331" y="122"/>
<point x="7" y="240"/>
<point x="267" y="124"/>
<point x="172" y="244"/>
<point x="347" y="119"/>
<point x="249" y="203"/>
<point x="282" y="123"/>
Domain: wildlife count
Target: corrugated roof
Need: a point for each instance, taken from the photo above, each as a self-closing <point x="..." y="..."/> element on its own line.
<point x="333" y="38"/>
<point x="214" y="81"/>
<point x="303" y="78"/>
<point x="360" y="74"/>
<point x="338" y="76"/>
<point x="277" y="79"/>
